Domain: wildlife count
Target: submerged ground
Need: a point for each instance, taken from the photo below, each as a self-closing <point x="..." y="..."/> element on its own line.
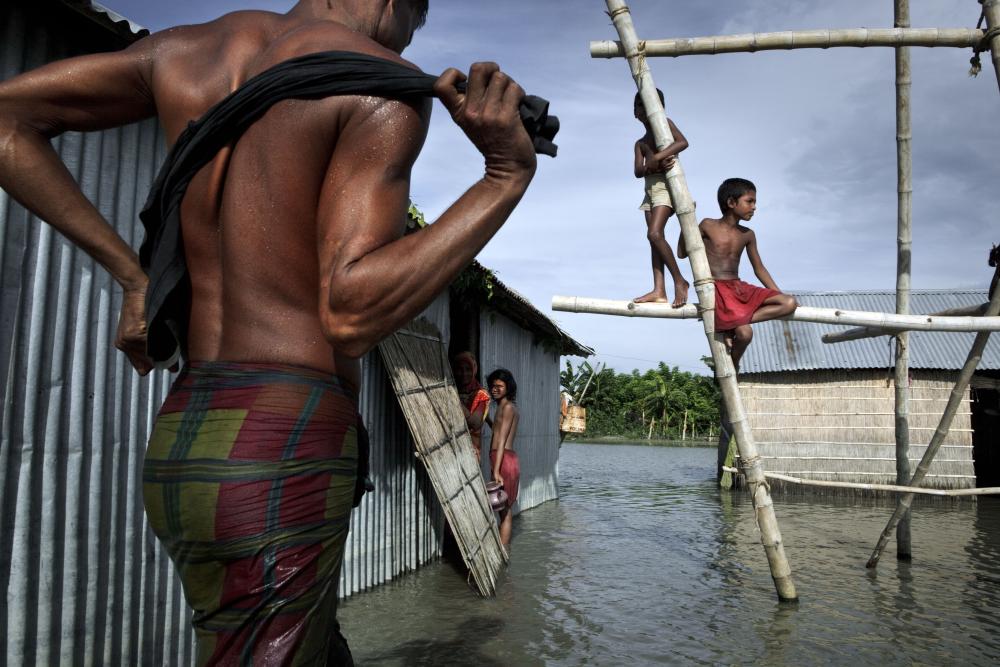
<point x="643" y="561"/>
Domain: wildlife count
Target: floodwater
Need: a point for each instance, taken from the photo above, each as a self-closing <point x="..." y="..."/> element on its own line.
<point x="643" y="561"/>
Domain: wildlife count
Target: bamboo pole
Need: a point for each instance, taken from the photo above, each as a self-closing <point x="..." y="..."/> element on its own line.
<point x="893" y="488"/>
<point x="798" y="39"/>
<point x="579" y="304"/>
<point x="991" y="10"/>
<point x="770" y="534"/>
<point x="904" y="190"/>
<point x="872" y="332"/>
<point x="956" y="397"/>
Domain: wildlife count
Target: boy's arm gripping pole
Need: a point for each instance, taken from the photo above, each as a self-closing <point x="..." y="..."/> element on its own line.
<point x="770" y="535"/>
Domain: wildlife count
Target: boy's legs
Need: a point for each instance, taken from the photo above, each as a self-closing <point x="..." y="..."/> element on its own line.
<point x="506" y="526"/>
<point x="741" y="337"/>
<point x="661" y="254"/>
<point x="775" y="307"/>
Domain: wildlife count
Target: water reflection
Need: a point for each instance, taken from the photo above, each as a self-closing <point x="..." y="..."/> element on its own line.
<point x="643" y="561"/>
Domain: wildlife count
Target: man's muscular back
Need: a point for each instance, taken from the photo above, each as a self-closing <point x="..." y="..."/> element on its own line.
<point x="250" y="216"/>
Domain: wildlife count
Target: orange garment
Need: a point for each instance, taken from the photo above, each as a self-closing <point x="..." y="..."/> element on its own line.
<point x="477" y="402"/>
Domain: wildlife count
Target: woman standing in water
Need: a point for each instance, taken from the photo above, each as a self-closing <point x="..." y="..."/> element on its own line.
<point x="503" y="459"/>
<point x="475" y="400"/>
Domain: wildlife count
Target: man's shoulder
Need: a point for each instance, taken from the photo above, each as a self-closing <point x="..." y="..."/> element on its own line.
<point x="270" y="38"/>
<point x="319" y="36"/>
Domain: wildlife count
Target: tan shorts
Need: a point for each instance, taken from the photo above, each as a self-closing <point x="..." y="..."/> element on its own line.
<point x="656" y="193"/>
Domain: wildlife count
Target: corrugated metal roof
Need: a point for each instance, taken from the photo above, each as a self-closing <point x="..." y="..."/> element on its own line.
<point x="507" y="301"/>
<point x="107" y="18"/>
<point x="793" y="346"/>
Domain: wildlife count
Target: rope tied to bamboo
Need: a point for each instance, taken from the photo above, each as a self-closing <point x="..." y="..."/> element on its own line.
<point x="617" y="12"/>
<point x="983" y="45"/>
<point x="702" y="309"/>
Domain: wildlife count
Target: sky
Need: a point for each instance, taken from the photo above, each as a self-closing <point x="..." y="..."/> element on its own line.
<point x="814" y="129"/>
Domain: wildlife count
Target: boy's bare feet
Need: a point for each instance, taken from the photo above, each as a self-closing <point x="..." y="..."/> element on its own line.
<point x="652" y="297"/>
<point x="681" y="293"/>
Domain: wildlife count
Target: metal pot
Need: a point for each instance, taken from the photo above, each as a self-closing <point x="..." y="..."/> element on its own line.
<point x="497" y="496"/>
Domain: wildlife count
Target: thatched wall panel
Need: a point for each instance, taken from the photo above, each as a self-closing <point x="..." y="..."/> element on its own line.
<point x="841" y="425"/>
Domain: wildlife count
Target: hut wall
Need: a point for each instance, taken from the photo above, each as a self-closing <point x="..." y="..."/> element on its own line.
<point x="503" y="344"/>
<point x="83" y="578"/>
<point x="839" y="425"/>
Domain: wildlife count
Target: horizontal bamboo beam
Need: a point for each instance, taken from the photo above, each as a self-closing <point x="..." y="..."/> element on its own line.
<point x="578" y="304"/>
<point x="874" y="332"/>
<point x="795" y="39"/>
<point x="984" y="491"/>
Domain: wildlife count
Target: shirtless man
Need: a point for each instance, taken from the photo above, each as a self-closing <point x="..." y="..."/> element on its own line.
<point x="738" y="304"/>
<point x="294" y="244"/>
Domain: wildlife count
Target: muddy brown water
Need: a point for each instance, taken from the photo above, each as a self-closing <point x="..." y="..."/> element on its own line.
<point x="643" y="561"/>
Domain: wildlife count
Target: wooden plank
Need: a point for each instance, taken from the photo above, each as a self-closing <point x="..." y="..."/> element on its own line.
<point x="421" y="376"/>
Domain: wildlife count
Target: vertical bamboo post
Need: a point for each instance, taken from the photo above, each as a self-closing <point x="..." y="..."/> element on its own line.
<point x="770" y="535"/>
<point x="904" y="191"/>
<point x="958" y="393"/>
<point x="991" y="10"/>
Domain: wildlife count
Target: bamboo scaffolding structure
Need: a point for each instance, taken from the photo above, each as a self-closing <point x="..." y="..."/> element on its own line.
<point x="984" y="491"/>
<point x="874" y="332"/>
<point x="954" y="400"/>
<point x="579" y="304"/>
<point x="904" y="241"/>
<point x="704" y="286"/>
<point x="797" y="39"/>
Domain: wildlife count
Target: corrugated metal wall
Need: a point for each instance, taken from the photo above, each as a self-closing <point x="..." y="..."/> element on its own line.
<point x="503" y="344"/>
<point x="83" y="578"/>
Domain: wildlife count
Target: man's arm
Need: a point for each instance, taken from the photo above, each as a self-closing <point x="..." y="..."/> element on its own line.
<point x="373" y="281"/>
<point x="84" y="94"/>
<point x="758" y="266"/>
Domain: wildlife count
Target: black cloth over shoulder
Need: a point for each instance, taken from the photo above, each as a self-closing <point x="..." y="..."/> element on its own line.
<point x="314" y="76"/>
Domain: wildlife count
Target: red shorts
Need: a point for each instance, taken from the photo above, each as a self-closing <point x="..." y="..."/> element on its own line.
<point x="737" y="301"/>
<point x="510" y="470"/>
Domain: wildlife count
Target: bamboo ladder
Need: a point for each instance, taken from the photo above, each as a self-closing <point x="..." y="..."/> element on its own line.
<point x="770" y="534"/>
<point x="902" y="36"/>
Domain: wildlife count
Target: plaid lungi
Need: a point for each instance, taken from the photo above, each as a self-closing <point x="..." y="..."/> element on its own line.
<point x="248" y="483"/>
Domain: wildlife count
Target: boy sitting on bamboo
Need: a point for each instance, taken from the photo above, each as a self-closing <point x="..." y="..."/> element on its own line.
<point x="738" y="304"/>
<point x="653" y="165"/>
